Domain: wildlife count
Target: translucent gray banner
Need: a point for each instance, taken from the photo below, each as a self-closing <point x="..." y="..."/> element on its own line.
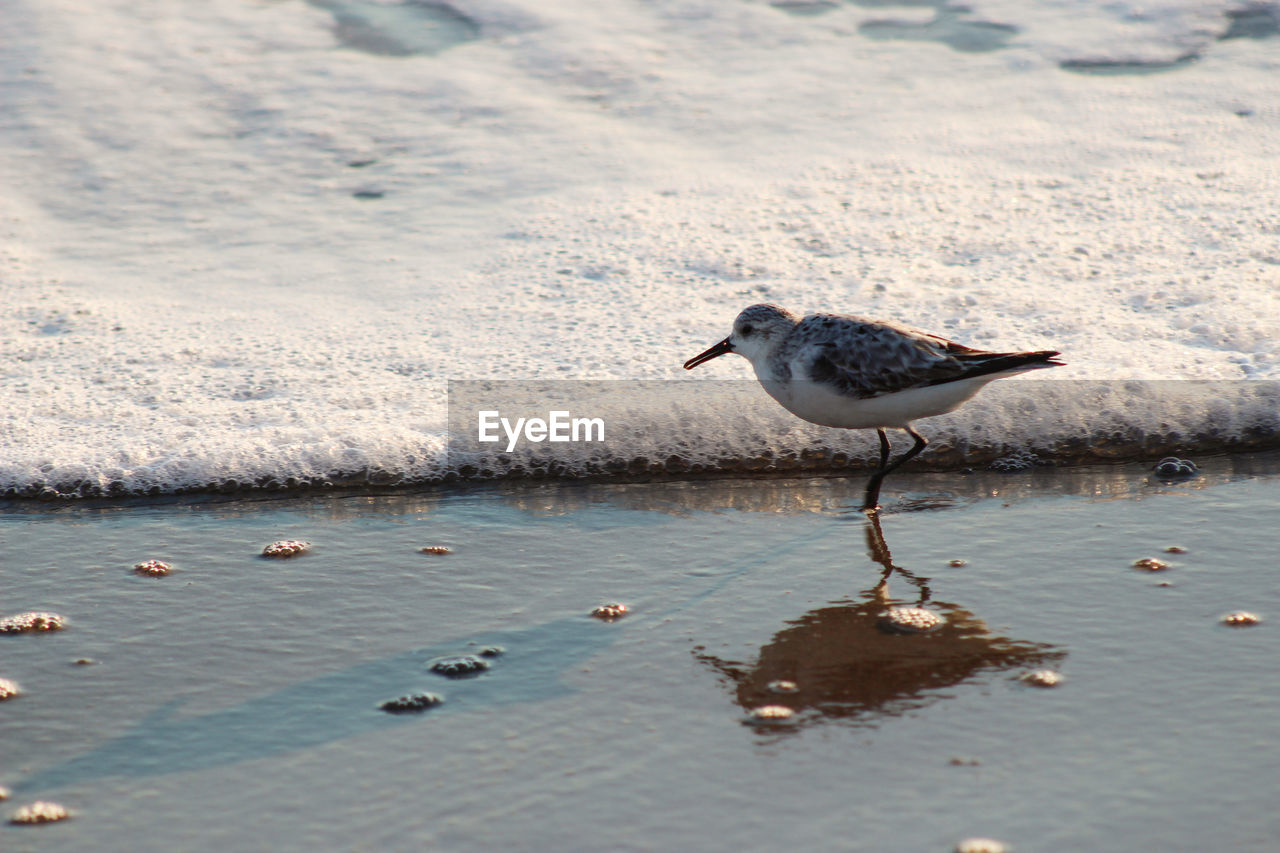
<point x="621" y="428"/>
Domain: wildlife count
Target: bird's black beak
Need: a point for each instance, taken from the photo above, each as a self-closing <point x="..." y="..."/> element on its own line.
<point x="715" y="352"/>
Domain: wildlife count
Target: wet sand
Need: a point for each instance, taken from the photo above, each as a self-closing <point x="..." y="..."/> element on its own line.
<point x="234" y="702"/>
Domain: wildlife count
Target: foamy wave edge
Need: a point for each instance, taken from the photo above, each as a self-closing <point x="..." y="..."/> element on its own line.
<point x="685" y="430"/>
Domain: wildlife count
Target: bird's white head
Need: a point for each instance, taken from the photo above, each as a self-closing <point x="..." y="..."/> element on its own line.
<point x="755" y="332"/>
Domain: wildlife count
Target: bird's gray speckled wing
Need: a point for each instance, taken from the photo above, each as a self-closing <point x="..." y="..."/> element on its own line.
<point x="863" y="358"/>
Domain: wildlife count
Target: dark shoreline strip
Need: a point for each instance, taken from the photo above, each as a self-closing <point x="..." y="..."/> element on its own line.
<point x="1102" y="447"/>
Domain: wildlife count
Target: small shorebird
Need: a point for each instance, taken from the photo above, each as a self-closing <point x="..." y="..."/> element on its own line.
<point x="843" y="371"/>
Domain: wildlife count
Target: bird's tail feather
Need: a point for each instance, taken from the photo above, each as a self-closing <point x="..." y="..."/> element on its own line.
<point x="1007" y="362"/>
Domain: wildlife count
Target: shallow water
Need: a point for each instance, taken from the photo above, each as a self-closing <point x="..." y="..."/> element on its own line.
<point x="253" y="242"/>
<point x="234" y="703"/>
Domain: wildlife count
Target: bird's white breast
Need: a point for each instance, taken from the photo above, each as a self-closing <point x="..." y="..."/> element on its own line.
<point x="820" y="404"/>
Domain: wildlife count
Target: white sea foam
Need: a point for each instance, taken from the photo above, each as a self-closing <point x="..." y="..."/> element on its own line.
<point x="252" y="242"/>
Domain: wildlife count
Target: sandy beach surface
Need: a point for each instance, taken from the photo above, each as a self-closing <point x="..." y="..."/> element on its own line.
<point x="234" y="703"/>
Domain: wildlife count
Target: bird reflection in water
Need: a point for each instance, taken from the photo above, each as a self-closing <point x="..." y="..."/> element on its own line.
<point x="845" y="665"/>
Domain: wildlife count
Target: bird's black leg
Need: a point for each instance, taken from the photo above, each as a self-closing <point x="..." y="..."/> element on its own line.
<point x="921" y="444"/>
<point x="872" y="501"/>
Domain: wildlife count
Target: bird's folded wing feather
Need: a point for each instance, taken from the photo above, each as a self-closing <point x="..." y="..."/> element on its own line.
<point x="868" y="359"/>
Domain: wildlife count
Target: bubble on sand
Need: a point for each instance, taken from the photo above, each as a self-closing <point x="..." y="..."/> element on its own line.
<point x="1150" y="564"/>
<point x="611" y="611"/>
<point x="32" y="621"/>
<point x="285" y="548"/>
<point x="84" y="661"/>
<point x="1175" y="549"/>
<point x="1241" y="619"/>
<point x="436" y="549"/>
<point x="1041" y="678"/>
<point x="459" y="666"/>
<point x="412" y="702"/>
<point x="153" y="568"/>
<point x="783" y="686"/>
<point x="8" y="689"/>
<point x="909" y="620"/>
<point x="981" y="845"/>
<point x="1173" y="468"/>
<point x="40" y="812"/>
<point x="491" y="652"/>
<point x="956" y="564"/>
<point x="4" y="793"/>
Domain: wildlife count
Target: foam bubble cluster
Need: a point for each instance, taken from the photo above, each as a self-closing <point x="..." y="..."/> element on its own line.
<point x="286" y="548"/>
<point x="412" y="702"/>
<point x="42" y="811"/>
<point x="460" y="666"/>
<point x="909" y="620"/>
<point x="32" y="622"/>
<point x="153" y="568"/>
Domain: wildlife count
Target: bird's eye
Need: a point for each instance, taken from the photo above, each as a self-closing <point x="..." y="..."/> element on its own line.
<point x="747" y="329"/>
